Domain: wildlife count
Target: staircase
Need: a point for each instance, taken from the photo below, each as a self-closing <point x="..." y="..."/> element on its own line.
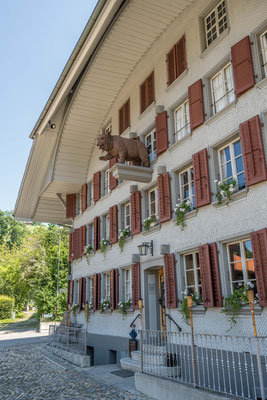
<point x="154" y="359"/>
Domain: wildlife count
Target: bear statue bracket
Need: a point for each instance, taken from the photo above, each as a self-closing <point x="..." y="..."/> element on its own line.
<point x="133" y="173"/>
<point x="126" y="150"/>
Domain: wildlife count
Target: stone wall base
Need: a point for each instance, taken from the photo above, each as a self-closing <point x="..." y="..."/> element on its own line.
<point x="82" y="361"/>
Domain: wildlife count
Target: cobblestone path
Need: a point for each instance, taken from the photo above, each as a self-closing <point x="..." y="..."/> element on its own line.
<point x="26" y="375"/>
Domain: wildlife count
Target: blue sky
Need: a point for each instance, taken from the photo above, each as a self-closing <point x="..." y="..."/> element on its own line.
<point x="37" y="38"/>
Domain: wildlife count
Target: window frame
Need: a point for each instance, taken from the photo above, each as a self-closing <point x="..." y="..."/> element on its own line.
<point x="207" y="14"/>
<point x="262" y="54"/>
<point x="230" y="144"/>
<point x="145" y="83"/>
<point x="243" y="261"/>
<point x="106" y="276"/>
<point x="154" y="189"/>
<point x="226" y="94"/>
<point x="90" y="234"/>
<point x="91" y="289"/>
<point x="108" y="128"/>
<point x="125" y="214"/>
<point x="191" y="189"/>
<point x="182" y="105"/>
<point x="195" y="269"/>
<point x="153" y="144"/>
<point x="127" y="295"/>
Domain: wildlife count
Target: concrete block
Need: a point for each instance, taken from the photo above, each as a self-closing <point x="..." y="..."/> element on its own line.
<point x="159" y="388"/>
<point x="132" y="135"/>
<point x="135" y="258"/>
<point x="159" y="109"/>
<point x="164" y="249"/>
<point x="161" y="169"/>
<point x="133" y="188"/>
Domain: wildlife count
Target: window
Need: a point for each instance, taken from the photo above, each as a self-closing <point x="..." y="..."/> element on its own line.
<point x="127" y="215"/>
<point x="91" y="290"/>
<point x="187" y="186"/>
<point x="105" y="180"/>
<point x="90" y="235"/>
<point x="108" y="128"/>
<point x="153" y="202"/>
<point x="192" y="274"/>
<point x="241" y="263"/>
<point x="176" y="60"/>
<point x="78" y="203"/>
<point x="231" y="164"/>
<point x="105" y="227"/>
<point x="107" y="285"/>
<point x="124" y="117"/>
<point x="150" y="143"/>
<point x="182" y="121"/>
<point x="263" y="43"/>
<point x="215" y="23"/>
<point x="147" y="95"/>
<point x="222" y="89"/>
<point x="90" y="194"/>
<point x="76" y="292"/>
<point x="127" y="284"/>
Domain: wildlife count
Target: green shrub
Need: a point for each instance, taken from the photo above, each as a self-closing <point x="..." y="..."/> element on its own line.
<point x="6" y="306"/>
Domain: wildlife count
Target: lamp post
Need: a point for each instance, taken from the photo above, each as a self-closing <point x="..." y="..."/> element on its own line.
<point x="190" y="304"/>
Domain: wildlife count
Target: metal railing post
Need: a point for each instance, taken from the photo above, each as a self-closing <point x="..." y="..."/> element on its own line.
<point x="142" y="350"/>
<point x="259" y="368"/>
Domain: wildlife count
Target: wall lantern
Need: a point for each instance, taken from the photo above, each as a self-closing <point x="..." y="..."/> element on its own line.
<point x="143" y="248"/>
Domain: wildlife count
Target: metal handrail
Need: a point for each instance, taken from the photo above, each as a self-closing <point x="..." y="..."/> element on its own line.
<point x="138" y="316"/>
<point x="175" y="323"/>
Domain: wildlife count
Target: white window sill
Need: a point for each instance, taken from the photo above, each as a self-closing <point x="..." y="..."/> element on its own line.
<point x="197" y="310"/>
<point x="177" y="80"/>
<point x="245" y="310"/>
<point x="215" y="43"/>
<point x="105" y="312"/>
<point x="152" y="230"/>
<point x="104" y="196"/>
<point x="126" y="131"/>
<point x="149" y="108"/>
<point x="221" y="113"/>
<point x="240" y="194"/>
<point x="189" y="215"/>
<point x="128" y="239"/>
<point x="180" y="142"/>
<point x="261" y="84"/>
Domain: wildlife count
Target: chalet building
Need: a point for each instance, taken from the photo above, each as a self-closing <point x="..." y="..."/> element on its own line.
<point x="188" y="78"/>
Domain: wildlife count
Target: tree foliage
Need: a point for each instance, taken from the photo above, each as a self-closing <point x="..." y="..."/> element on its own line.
<point x="29" y="263"/>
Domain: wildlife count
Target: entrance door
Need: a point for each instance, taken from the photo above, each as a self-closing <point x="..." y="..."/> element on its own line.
<point x="162" y="306"/>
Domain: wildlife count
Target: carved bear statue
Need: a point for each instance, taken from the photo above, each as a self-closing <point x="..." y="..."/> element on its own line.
<point x="123" y="149"/>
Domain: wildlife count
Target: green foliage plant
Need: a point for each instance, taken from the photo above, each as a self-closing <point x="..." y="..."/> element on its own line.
<point x="148" y="221"/>
<point x="123" y="236"/>
<point x="235" y="301"/>
<point x="88" y="251"/>
<point x="103" y="246"/>
<point x="197" y="300"/>
<point x="123" y="306"/>
<point x="104" y="305"/>
<point x="6" y="306"/>
<point x="225" y="189"/>
<point x="180" y="211"/>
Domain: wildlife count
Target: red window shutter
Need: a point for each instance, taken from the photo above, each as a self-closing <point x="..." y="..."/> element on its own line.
<point x="82" y="240"/>
<point x="215" y="275"/>
<point x="136" y="289"/>
<point x="112" y="181"/>
<point x="84" y="197"/>
<point x="70" y="297"/>
<point x="135" y="201"/>
<point x="98" y="290"/>
<point x="127" y="114"/>
<point x="113" y="225"/>
<point x="84" y="291"/>
<point x="201" y="178"/>
<point x="196" y="104"/>
<point x="77" y="243"/>
<point x="71" y="246"/>
<point x="170" y="281"/>
<point x="114" y="286"/>
<point x="121" y="121"/>
<point x="97" y="186"/>
<point x="259" y="249"/>
<point x="253" y="151"/>
<point x="205" y="272"/>
<point x="96" y="233"/>
<point x="143" y="97"/>
<point x="181" y="56"/>
<point x="80" y="293"/>
<point x="95" y="291"/>
<point x="161" y="132"/>
<point x="70" y="205"/>
<point x="164" y="197"/>
<point x="171" y="63"/>
<point x="150" y="89"/>
<point x="242" y="66"/>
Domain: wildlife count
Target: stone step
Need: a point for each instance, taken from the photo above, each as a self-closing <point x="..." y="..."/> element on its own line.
<point x="153" y="349"/>
<point x="151" y="359"/>
<point x="162" y="370"/>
